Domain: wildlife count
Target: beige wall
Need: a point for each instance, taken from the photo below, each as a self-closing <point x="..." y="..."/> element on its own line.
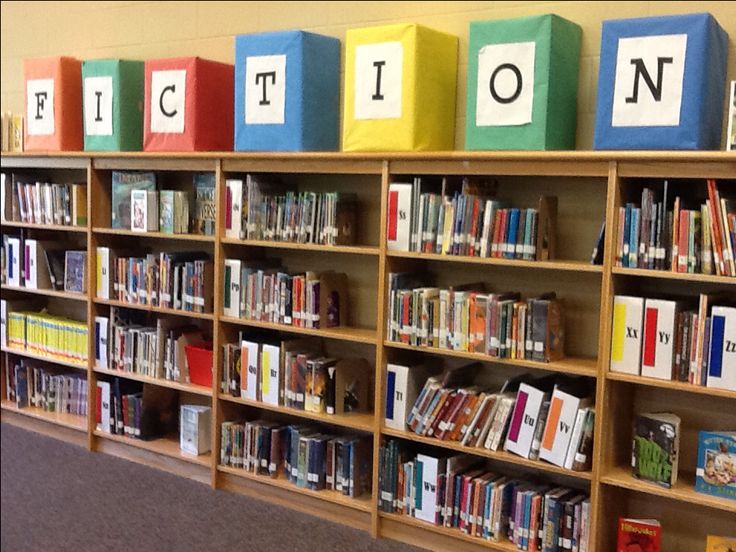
<point x="148" y="30"/>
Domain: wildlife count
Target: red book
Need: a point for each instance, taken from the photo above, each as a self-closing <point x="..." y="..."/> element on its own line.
<point x="393" y="208"/>
<point x="650" y="336"/>
<point x="638" y="535"/>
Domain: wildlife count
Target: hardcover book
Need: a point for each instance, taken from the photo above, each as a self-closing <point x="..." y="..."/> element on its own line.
<point x="655" y="451"/>
<point x="716" y="471"/>
<point x="74" y="271"/>
<point x="638" y="535"/>
<point x="204" y="221"/>
<point x="123" y="183"/>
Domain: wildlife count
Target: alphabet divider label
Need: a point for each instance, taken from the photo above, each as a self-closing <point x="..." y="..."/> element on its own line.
<point x="98" y="97"/>
<point x="40" y="99"/>
<point x="649" y="81"/>
<point x="378" y="80"/>
<point x="265" y="90"/>
<point x="505" y="93"/>
<point x="168" y="98"/>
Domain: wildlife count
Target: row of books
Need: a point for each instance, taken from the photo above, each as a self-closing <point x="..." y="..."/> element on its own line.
<point x="550" y="418"/>
<point x="12" y="131"/>
<point x="465" y="318"/>
<point x="295" y="373"/>
<point x="424" y="217"/>
<point x="674" y="340"/>
<point x="700" y="240"/>
<point x="136" y="206"/>
<point x="44" y="334"/>
<point x="301" y="454"/>
<point x="257" y="291"/>
<point x="136" y="410"/>
<point x="457" y="491"/>
<point x="38" y="264"/>
<point x="42" y="202"/>
<point x="169" y="215"/>
<point x="27" y="385"/>
<point x="182" y="281"/>
<point x="259" y="210"/>
<point x="128" y="345"/>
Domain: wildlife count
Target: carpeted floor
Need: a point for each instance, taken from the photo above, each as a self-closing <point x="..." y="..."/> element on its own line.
<point x="56" y="496"/>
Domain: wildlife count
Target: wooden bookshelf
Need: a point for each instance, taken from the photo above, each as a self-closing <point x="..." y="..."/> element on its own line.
<point x="596" y="181"/>
<point x="343" y="333"/>
<point x="47" y="292"/>
<point x="360" y="421"/>
<point x="151" y="308"/>
<point x="161" y="382"/>
<point x="166" y="446"/>
<point x="49" y="227"/>
<point x="53" y="360"/>
<point x="577" y="366"/>
<point x="362" y="503"/>
<point x="683" y="490"/>
<point x="500" y="455"/>
<point x="63" y="419"/>
<point x="153" y="235"/>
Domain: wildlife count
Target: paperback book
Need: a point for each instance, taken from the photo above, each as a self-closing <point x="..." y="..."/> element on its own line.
<point x="716" y="471"/>
<point x="655" y="451"/>
<point x="638" y="535"/>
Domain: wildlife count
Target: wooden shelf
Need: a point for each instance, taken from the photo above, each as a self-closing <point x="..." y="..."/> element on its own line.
<point x="55" y="227"/>
<point x="452" y="532"/>
<point x="683" y="490"/>
<point x="598" y="180"/>
<point x="575" y="266"/>
<point x="571" y="365"/>
<point x="360" y="421"/>
<point x="187" y="387"/>
<point x="71" y="421"/>
<point x="677" y="276"/>
<point x="60" y="362"/>
<point x="155" y="235"/>
<point x="343" y="333"/>
<point x="47" y="292"/>
<point x="674" y="385"/>
<point x="501" y="455"/>
<point x="159" y="310"/>
<point x="348" y="249"/>
<point x="363" y="503"/>
<point x="166" y="446"/>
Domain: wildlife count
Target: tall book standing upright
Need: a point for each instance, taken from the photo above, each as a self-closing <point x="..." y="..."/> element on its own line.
<point x="657" y="357"/>
<point x="626" y="337"/>
<point x="722" y="354"/>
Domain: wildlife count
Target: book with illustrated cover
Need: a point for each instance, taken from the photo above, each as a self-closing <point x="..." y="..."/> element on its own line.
<point x="204" y="218"/>
<point x="715" y="543"/>
<point x="75" y="264"/>
<point x="655" y="451"/>
<point x="166" y="212"/>
<point x="638" y="535"/>
<point x="123" y="183"/>
<point x="144" y="211"/>
<point x="716" y="471"/>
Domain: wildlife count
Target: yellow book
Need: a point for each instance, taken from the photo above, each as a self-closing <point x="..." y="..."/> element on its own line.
<point x="720" y="544"/>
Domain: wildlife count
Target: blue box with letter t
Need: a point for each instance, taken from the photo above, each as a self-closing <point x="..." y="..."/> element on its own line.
<point x="287" y="92"/>
<point x="661" y="83"/>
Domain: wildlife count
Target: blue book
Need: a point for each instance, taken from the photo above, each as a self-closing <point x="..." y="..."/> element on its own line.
<point x="510" y="240"/>
<point x="390" y="394"/>
<point x="716" y="471"/>
<point x="627" y="233"/>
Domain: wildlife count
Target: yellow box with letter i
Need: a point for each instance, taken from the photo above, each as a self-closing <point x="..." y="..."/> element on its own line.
<point x="400" y="88"/>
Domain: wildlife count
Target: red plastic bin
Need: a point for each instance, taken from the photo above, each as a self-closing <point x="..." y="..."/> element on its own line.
<point x="199" y="359"/>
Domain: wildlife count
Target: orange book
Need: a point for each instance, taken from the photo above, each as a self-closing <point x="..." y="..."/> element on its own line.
<point x="720" y="544"/>
<point x="638" y="535"/>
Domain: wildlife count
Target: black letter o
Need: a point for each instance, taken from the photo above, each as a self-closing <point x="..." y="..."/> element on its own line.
<point x="516" y="93"/>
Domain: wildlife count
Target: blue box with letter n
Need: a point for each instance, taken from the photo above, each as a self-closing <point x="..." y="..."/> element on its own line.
<point x="287" y="92"/>
<point x="661" y="83"/>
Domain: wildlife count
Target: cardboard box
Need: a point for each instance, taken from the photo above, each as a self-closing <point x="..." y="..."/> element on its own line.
<point x="400" y="84"/>
<point x="661" y="83"/>
<point x="53" y="89"/>
<point x="188" y="105"/>
<point x="112" y="102"/>
<point x="522" y="84"/>
<point x="287" y="92"/>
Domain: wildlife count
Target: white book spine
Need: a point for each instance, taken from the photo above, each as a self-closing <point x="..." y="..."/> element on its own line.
<point x="659" y="335"/>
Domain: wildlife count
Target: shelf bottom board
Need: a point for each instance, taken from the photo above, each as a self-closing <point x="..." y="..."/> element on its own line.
<point x="413" y="531"/>
<point x="290" y="496"/>
<point x="70" y="421"/>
